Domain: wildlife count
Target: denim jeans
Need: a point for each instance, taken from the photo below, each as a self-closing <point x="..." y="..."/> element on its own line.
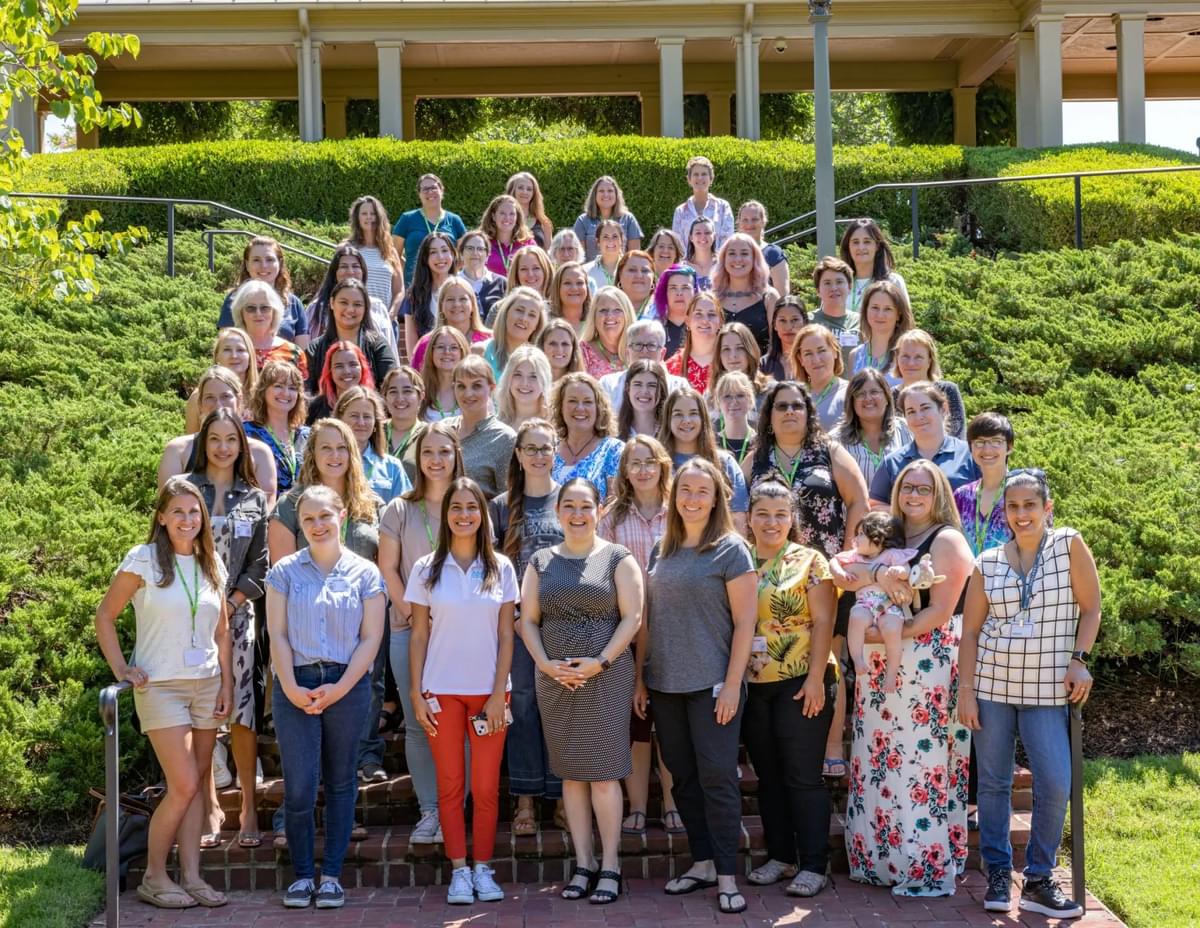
<point x="370" y="742"/>
<point x="1043" y="731"/>
<point x="416" y="742"/>
<point x="529" y="771"/>
<point x="315" y="749"/>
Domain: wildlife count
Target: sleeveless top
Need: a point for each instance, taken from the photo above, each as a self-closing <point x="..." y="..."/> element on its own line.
<point x="820" y="511"/>
<point x="754" y="317"/>
<point x="379" y="274"/>
<point x="1027" y="670"/>
<point x="921" y="597"/>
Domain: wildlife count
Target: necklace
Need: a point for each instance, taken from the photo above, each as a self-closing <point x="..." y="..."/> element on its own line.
<point x="794" y="458"/>
<point x="613" y="358"/>
<point x="736" y="294"/>
<point x="578" y="455"/>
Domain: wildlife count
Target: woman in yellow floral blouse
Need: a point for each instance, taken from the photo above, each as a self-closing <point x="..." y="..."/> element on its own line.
<point x="789" y="709"/>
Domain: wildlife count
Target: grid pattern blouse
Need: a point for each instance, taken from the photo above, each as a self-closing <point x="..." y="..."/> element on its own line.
<point x="1028" y="671"/>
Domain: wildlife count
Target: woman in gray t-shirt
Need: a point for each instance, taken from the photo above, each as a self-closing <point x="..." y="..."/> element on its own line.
<point x="702" y="605"/>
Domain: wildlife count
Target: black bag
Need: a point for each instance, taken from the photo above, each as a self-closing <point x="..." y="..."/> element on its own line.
<point x="133" y="823"/>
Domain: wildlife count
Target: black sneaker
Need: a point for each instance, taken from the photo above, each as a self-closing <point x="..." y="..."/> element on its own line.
<point x="999" y="891"/>
<point x="299" y="895"/>
<point x="330" y="895"/>
<point x="1045" y="897"/>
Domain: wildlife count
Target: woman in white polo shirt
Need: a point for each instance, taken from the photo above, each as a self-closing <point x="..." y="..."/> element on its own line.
<point x="181" y="672"/>
<point x="463" y="597"/>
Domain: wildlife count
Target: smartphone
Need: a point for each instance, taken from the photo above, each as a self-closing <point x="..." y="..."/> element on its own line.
<point x="479" y="722"/>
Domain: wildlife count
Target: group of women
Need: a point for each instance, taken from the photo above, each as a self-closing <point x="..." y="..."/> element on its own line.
<point x="556" y="500"/>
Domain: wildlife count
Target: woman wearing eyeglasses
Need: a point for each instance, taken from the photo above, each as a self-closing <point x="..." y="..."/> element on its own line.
<point x="906" y="813"/>
<point x="980" y="503"/>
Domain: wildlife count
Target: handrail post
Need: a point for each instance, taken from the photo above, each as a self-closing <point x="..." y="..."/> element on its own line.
<point x="212" y="250"/>
<point x="110" y="717"/>
<point x="1075" y="727"/>
<point x="1078" y="212"/>
<point x="916" y="221"/>
<point x="171" y="239"/>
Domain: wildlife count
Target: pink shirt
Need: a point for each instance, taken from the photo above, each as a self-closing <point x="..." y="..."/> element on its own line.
<point x="635" y="532"/>
<point x="418" y="354"/>
<point x="501" y="255"/>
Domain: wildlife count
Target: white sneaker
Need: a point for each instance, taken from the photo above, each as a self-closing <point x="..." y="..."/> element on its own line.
<point x="486" y="887"/>
<point x="220" y="766"/>
<point x="428" y="830"/>
<point x="462" y="888"/>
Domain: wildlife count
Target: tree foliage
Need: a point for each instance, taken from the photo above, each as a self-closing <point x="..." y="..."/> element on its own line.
<point x="43" y="258"/>
<point x="175" y="121"/>
<point x="927" y="118"/>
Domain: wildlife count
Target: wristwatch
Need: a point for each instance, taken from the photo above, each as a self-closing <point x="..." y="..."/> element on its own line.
<point x="605" y="663"/>
<point x="1082" y="656"/>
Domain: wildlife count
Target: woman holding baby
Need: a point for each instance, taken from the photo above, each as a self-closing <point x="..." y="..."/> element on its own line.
<point x="906" y="816"/>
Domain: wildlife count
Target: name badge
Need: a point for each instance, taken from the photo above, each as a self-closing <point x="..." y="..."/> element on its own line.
<point x="758" y="645"/>
<point x="847" y="339"/>
<point x="194" y="657"/>
<point x="434" y="706"/>
<point x="717" y="690"/>
<point x="242" y="529"/>
<point x="338" y="585"/>
<point x="1022" y="626"/>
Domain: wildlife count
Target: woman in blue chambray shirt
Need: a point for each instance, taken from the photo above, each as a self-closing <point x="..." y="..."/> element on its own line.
<point x="325" y="611"/>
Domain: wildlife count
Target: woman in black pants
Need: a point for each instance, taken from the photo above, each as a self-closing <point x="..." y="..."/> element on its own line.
<point x="789" y="705"/>
<point x="700" y="622"/>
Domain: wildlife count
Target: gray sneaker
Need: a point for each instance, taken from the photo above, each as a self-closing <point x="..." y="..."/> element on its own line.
<point x="462" y="887"/>
<point x="427" y="831"/>
<point x="330" y="895"/>
<point x="299" y="895"/>
<point x="486" y="887"/>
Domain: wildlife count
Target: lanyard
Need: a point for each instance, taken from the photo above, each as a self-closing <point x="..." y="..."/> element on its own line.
<point x="287" y="452"/>
<point x="1025" y="582"/>
<point x="820" y="397"/>
<point x="430" y="229"/>
<point x="406" y="439"/>
<point x="981" y="522"/>
<point x="428" y="528"/>
<point x="875" y="457"/>
<point x="505" y="258"/>
<point x="369" y="465"/>
<point x="795" y="464"/>
<point x="345" y="527"/>
<point x="764" y="576"/>
<point x="745" y="446"/>
<point x="191" y="592"/>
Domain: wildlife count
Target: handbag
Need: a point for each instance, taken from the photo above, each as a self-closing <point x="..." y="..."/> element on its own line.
<point x="133" y="823"/>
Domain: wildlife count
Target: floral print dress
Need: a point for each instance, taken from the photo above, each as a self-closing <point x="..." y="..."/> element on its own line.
<point x="241" y="634"/>
<point x="906" y="813"/>
<point x="821" y="514"/>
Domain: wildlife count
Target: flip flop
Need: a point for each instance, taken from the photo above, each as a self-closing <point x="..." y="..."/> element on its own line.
<point x="673" y="822"/>
<point x="524" y="822"/>
<point x="157" y="897"/>
<point x="631" y="830"/>
<point x="833" y="763"/>
<point x="697" y="883"/>
<point x="206" y="896"/>
<point x="725" y="903"/>
<point x="210" y="840"/>
<point x="249" y="839"/>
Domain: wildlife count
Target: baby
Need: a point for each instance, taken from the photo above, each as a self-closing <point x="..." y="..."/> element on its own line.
<point x="877" y="543"/>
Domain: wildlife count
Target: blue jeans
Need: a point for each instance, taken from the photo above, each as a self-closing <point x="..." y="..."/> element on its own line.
<point x="370" y="742"/>
<point x="315" y="749"/>
<point x="1043" y="731"/>
<point x="529" y="771"/>
<point x="416" y="742"/>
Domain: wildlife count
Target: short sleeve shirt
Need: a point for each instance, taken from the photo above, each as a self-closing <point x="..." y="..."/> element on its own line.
<point x="690" y="621"/>
<point x="540" y="527"/>
<point x="361" y="537"/>
<point x="413" y="227"/>
<point x="599" y="467"/>
<point x="586" y="226"/>
<point x="325" y="611"/>
<point x="163" y="616"/>
<point x="464" y="623"/>
<point x="844" y="329"/>
<point x="410" y="525"/>
<point x="385" y="475"/>
<point x="295" y="320"/>
<point x="783" y="631"/>
<point x="953" y="459"/>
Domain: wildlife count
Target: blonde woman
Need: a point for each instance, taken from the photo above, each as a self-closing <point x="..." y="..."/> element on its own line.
<point x="885" y="317"/>
<point x="234" y="351"/>
<point x="916" y="357"/>
<point x="560" y="343"/>
<point x="447" y="346"/>
<point x="525" y="385"/>
<point x="604" y="332"/>
<point x="818" y="365"/>
<point x="520" y="317"/>
<point x="525" y="189"/>
<point x="530" y="267"/>
<point x="570" y="294"/>
<point x="606" y="201"/>
<point x="456" y="307"/>
<point x="743" y="283"/>
<point x="752" y="219"/>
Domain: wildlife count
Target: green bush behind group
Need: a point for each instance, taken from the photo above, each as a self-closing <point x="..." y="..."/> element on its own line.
<point x="1095" y="354"/>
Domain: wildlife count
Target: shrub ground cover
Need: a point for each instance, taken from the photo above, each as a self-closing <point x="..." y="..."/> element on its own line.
<point x="1094" y="354"/>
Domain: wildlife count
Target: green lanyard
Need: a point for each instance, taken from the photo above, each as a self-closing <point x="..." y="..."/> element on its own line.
<point x="795" y="464"/>
<point x="345" y="527"/>
<point x="192" y="593"/>
<point x="725" y="444"/>
<point x="428" y="528"/>
<point x="430" y="229"/>
<point x="368" y="467"/>
<point x="980" y="525"/>
<point x="287" y="451"/>
<point x="405" y="442"/>
<point x="764" y="577"/>
<point x="824" y="393"/>
<point x="506" y="259"/>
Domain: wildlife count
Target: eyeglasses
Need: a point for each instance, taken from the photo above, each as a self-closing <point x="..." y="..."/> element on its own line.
<point x="790" y="407"/>
<point x="1035" y="472"/>
<point x="637" y="467"/>
<point x="911" y="489"/>
<point x="475" y="249"/>
<point x="984" y="444"/>
<point x="538" y="451"/>
<point x="255" y="310"/>
<point x="646" y="346"/>
<point x="433" y="189"/>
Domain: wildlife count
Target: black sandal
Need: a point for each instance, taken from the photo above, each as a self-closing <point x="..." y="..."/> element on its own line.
<point x="573" y="892"/>
<point x="695" y="883"/>
<point x="605" y="896"/>
<point x="725" y="903"/>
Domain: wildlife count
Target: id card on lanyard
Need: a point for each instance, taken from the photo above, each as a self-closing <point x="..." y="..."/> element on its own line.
<point x="192" y="656"/>
<point x="1023" y="625"/>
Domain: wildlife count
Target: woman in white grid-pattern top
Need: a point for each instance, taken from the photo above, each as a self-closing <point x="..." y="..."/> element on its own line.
<point x="1031" y="616"/>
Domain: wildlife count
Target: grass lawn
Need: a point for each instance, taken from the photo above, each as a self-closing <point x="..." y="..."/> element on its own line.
<point x="47" y="888"/>
<point x="1143" y="838"/>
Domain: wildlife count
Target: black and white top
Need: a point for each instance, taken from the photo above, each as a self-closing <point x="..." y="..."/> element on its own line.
<point x="1021" y="665"/>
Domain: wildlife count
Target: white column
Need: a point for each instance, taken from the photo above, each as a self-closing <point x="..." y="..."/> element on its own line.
<point x="1026" y="95"/>
<point x="303" y="90"/>
<point x="823" y="133"/>
<point x="316" y="114"/>
<point x="1047" y="47"/>
<point x="391" y="108"/>
<point x="23" y="118"/>
<point x="1131" y="76"/>
<point x="670" y="86"/>
<point x="753" y="109"/>
<point x="740" y="88"/>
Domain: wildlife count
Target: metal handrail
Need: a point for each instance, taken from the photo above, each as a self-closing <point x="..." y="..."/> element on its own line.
<point x="110" y="717"/>
<point x="170" y="203"/>
<point x="914" y="187"/>
<point x="209" y="236"/>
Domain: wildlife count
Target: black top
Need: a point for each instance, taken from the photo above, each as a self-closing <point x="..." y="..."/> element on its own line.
<point x="379" y="355"/>
<point x="921" y="597"/>
<point x="753" y="317"/>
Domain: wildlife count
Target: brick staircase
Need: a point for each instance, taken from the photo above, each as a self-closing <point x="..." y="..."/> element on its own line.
<point x="385" y="857"/>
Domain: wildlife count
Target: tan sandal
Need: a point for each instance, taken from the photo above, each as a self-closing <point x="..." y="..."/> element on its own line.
<point x="806" y="884"/>
<point x="524" y="822"/>
<point x="159" y="897"/>
<point x="771" y="872"/>
<point x="206" y="896"/>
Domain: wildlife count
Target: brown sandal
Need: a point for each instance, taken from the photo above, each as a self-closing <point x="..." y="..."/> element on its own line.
<point x="524" y="822"/>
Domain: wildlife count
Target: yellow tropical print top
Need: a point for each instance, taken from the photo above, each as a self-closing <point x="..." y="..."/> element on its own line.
<point x="784" y="627"/>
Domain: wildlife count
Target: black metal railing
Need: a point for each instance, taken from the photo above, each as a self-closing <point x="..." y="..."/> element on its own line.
<point x="210" y="236"/>
<point x="170" y="203"/>
<point x="110" y="718"/>
<point x="915" y="187"/>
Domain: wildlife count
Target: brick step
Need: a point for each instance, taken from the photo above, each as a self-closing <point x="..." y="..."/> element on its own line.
<point x="385" y="857"/>
<point x="394" y="803"/>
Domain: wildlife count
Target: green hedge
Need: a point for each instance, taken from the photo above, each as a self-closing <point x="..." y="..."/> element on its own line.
<point x="319" y="181"/>
<point x="1041" y="214"/>
<point x="1094" y="354"/>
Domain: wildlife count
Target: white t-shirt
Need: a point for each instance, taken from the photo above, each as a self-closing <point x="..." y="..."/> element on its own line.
<point x="164" y="618"/>
<point x="464" y="621"/>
